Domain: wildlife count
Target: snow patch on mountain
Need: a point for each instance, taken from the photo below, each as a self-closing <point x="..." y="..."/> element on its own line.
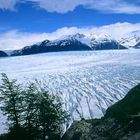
<point x="79" y="37"/>
<point x="101" y="37"/>
<point x="130" y="40"/>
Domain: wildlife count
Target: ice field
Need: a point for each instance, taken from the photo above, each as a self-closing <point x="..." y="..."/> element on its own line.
<point x="88" y="81"/>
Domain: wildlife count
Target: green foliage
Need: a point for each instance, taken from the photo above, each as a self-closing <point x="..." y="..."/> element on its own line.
<point x="11" y="103"/>
<point x="31" y="111"/>
<point x="51" y="120"/>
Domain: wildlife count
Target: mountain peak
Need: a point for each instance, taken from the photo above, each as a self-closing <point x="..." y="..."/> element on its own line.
<point x="131" y="39"/>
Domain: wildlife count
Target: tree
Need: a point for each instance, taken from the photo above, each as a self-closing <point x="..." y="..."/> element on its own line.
<point x="11" y="103"/>
<point x="32" y="112"/>
<point x="44" y="112"/>
<point x="51" y="116"/>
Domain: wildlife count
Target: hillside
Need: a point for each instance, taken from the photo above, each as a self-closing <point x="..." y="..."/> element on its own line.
<point x="121" y="122"/>
<point x="127" y="108"/>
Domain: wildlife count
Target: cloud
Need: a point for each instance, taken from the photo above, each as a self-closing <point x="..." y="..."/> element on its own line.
<point x="8" y="4"/>
<point x="111" y="6"/>
<point x="15" y="39"/>
<point x="115" y="6"/>
<point x="59" y="6"/>
<point x="64" y="6"/>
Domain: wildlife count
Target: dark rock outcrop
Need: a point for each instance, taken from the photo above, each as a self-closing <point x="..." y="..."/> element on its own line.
<point x="137" y="46"/>
<point x="3" y="54"/>
<point x="113" y="45"/>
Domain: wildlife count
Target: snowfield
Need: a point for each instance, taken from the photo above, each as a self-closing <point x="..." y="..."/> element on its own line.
<point x="88" y="81"/>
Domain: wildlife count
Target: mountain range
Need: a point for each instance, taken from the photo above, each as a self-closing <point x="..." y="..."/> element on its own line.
<point x="81" y="42"/>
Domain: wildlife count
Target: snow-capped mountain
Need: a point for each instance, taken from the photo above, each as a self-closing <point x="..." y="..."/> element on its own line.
<point x="70" y="43"/>
<point x="76" y="42"/>
<point x="131" y="40"/>
<point x="104" y="42"/>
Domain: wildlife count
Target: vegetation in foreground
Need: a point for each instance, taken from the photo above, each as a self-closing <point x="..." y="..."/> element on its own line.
<point x="32" y="113"/>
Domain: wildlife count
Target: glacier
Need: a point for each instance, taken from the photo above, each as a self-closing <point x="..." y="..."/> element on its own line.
<point x="88" y="81"/>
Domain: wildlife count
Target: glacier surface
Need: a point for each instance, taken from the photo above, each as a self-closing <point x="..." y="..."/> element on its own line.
<point x="88" y="81"/>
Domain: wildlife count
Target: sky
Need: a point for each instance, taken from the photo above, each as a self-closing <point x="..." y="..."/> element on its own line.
<point x="25" y="22"/>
